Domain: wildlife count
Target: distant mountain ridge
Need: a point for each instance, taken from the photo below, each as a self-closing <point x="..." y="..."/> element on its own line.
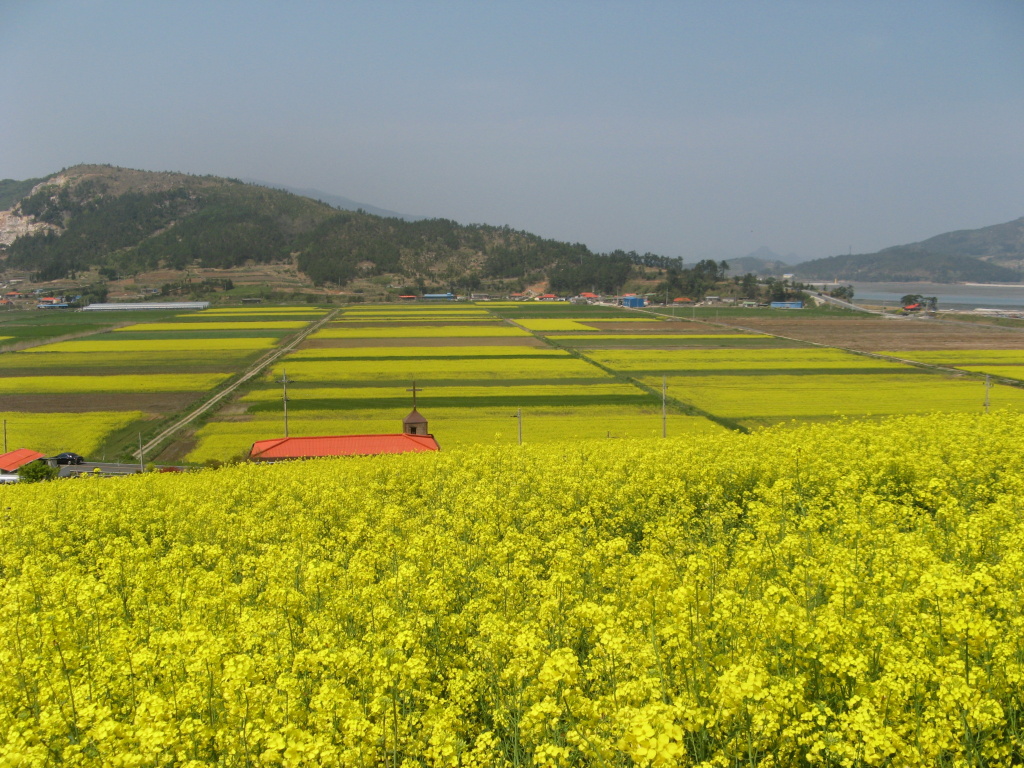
<point x="993" y="254"/>
<point x="763" y="262"/>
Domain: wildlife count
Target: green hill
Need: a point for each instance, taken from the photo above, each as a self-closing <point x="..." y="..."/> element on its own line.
<point x="988" y="255"/>
<point x="905" y="264"/>
<point x="133" y="221"/>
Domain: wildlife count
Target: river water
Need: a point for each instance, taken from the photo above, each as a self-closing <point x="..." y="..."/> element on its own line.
<point x="951" y="296"/>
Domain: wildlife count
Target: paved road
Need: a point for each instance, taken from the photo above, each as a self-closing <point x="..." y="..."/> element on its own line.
<point x="254" y="370"/>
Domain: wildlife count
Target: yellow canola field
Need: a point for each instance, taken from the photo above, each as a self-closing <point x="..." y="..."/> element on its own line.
<point x="720" y="600"/>
<point x="156" y="345"/>
<point x="440" y="351"/>
<point x="544" y="324"/>
<point x="496" y="368"/>
<point x="213" y="325"/>
<point x="809" y="395"/>
<point x="385" y="320"/>
<point x="53" y="433"/>
<point x="136" y="360"/>
<point x="397" y="313"/>
<point x="62" y="384"/>
<point x="420" y="332"/>
<point x="297" y="394"/>
<point x="1005" y="371"/>
<point x="737" y="359"/>
<point x="452" y="427"/>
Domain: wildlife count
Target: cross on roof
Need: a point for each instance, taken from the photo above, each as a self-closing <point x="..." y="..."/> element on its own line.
<point x="414" y="390"/>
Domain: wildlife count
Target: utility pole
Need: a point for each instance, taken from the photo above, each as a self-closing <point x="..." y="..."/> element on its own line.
<point x="284" y="398"/>
<point x="5" y="435"/>
<point x="519" y="415"/>
<point x="988" y="384"/>
<point x="142" y="461"/>
<point x="664" y="413"/>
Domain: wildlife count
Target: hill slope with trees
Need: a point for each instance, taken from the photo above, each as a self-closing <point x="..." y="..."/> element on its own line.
<point x="125" y="222"/>
<point x="992" y="254"/>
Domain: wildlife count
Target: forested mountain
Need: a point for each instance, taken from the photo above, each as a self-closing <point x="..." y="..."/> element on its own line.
<point x="764" y="261"/>
<point x="989" y="254"/>
<point x="128" y="221"/>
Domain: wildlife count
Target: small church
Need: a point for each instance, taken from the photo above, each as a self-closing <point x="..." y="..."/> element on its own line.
<point x="414" y="438"/>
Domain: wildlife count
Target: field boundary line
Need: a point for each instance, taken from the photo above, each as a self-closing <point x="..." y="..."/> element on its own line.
<point x="253" y="370"/>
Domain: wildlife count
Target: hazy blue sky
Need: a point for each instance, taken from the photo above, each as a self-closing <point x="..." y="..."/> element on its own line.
<point x="683" y="128"/>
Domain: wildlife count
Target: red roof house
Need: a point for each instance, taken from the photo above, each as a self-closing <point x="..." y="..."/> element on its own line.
<point x="15" y="460"/>
<point x="414" y="439"/>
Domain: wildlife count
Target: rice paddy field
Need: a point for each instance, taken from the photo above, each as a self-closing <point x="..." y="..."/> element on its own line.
<point x="569" y="371"/>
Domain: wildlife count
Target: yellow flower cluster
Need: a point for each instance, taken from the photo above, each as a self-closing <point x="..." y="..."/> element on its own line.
<point x="837" y="595"/>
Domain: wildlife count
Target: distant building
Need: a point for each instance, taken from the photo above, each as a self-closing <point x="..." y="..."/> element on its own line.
<point x="787" y="305"/>
<point x="414" y="438"/>
<point x="633" y="302"/>
<point x="11" y="462"/>
<point x="284" y="448"/>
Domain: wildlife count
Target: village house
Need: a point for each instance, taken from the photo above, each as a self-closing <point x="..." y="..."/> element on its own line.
<point x="414" y="438"/>
<point x="11" y="462"/>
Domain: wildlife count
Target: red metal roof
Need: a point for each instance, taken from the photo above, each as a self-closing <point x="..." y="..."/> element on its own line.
<point x="342" y="445"/>
<point x="589" y="295"/>
<point x="11" y="462"/>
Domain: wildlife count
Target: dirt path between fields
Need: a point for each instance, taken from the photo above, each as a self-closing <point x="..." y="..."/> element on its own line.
<point x="253" y="370"/>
